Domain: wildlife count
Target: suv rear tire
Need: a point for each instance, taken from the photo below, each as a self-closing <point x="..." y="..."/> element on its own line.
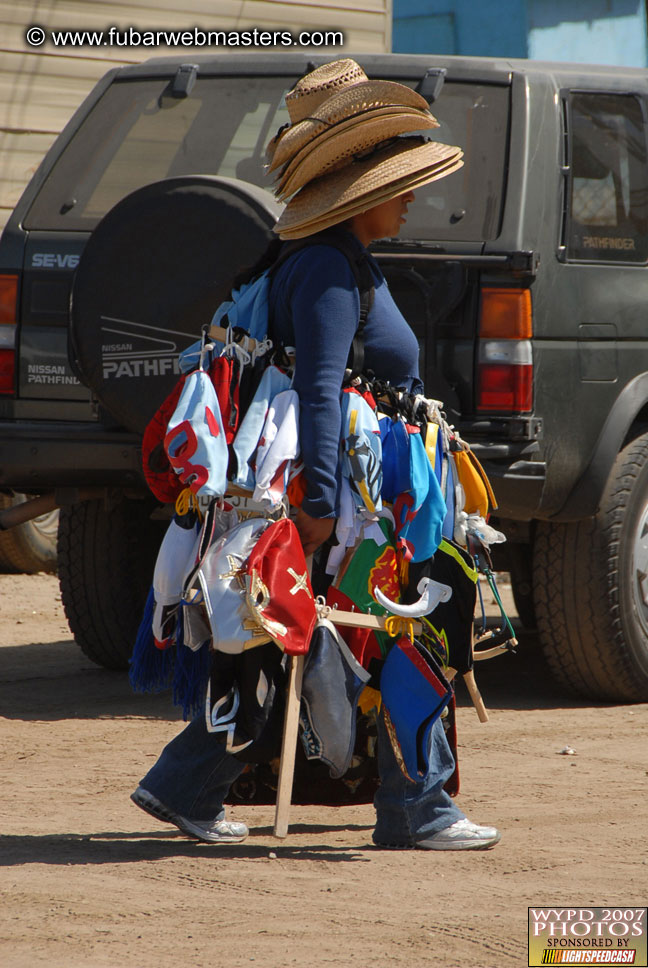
<point x="521" y="572"/>
<point x="107" y="552"/>
<point x="29" y="547"/>
<point x="591" y="588"/>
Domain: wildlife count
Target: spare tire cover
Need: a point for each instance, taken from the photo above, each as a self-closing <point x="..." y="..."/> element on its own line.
<point x="151" y="275"/>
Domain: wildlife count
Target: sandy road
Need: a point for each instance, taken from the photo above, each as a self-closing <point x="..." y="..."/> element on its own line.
<point x="87" y="879"/>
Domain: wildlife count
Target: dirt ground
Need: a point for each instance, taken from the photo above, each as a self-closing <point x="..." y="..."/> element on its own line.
<point x="88" y="879"/>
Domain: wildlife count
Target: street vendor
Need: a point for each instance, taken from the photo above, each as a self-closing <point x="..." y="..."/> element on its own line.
<point x="349" y="161"/>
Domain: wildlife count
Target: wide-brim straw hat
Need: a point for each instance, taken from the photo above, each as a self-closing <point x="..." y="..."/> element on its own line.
<point x="402" y="166"/>
<point x="335" y="146"/>
<point x="353" y="101"/>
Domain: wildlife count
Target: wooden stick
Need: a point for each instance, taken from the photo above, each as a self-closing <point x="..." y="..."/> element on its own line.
<point x="361" y="620"/>
<point x="289" y="746"/>
<point x="220" y="334"/>
<point x="290" y="737"/>
<point x="233" y="490"/>
<point x="489" y="653"/>
<point x="475" y="695"/>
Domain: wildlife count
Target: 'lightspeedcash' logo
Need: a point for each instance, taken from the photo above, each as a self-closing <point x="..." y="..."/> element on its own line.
<point x="587" y="936"/>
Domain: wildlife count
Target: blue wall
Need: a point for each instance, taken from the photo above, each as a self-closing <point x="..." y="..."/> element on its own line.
<point x="591" y="31"/>
<point x="476" y="27"/>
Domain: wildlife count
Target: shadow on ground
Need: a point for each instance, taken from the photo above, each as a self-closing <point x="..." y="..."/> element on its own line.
<point x="55" y="681"/>
<point x="123" y="848"/>
<point x="520" y="680"/>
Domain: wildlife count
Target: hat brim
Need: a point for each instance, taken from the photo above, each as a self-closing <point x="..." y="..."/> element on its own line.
<point x="336" y="145"/>
<point x="350" y="101"/>
<point x="361" y="185"/>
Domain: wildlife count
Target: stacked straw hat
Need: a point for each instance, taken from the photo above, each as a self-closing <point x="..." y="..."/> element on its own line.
<point x="351" y="144"/>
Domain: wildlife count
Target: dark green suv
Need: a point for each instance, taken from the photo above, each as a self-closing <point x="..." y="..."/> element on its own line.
<point x="524" y="277"/>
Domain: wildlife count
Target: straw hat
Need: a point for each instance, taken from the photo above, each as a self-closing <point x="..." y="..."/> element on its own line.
<point x="345" y="150"/>
<point x="389" y="171"/>
<point x="336" y="146"/>
<point x="309" y="91"/>
<point x="350" y="102"/>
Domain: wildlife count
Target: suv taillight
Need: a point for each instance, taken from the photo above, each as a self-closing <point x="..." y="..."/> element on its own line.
<point x="505" y="352"/>
<point x="8" y="316"/>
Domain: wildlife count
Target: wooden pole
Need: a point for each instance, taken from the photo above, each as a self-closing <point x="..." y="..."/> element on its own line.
<point x="475" y="695"/>
<point x="289" y="745"/>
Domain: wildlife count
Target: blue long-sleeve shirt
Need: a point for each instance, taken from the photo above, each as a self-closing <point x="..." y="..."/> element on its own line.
<point x="315" y="307"/>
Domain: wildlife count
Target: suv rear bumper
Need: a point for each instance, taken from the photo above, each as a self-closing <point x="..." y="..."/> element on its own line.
<point x="517" y="481"/>
<point x="36" y="456"/>
<point x="518" y="487"/>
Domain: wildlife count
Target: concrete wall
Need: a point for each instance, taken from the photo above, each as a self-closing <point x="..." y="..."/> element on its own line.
<point x="40" y="87"/>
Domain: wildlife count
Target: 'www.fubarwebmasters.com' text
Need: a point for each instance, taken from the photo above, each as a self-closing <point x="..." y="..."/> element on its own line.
<point x="193" y="37"/>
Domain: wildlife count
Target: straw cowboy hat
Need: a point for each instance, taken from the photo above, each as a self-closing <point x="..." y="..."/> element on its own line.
<point x="345" y="150"/>
<point x="349" y="138"/>
<point x="348" y="106"/>
<point x="389" y="171"/>
<point x="358" y="115"/>
<point x="305" y="97"/>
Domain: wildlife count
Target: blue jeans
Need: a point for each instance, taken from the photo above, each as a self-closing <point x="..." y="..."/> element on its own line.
<point x="407" y="812"/>
<point x="194" y="773"/>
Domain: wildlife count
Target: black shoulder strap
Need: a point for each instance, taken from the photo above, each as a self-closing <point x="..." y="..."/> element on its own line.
<point x="364" y="280"/>
<point x="362" y="274"/>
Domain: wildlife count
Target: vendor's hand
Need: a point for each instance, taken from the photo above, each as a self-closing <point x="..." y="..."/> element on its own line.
<point x="313" y="531"/>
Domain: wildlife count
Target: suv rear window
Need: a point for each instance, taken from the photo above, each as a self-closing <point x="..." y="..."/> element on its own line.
<point x="137" y="134"/>
<point x="467" y="205"/>
<point x="608" y="197"/>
